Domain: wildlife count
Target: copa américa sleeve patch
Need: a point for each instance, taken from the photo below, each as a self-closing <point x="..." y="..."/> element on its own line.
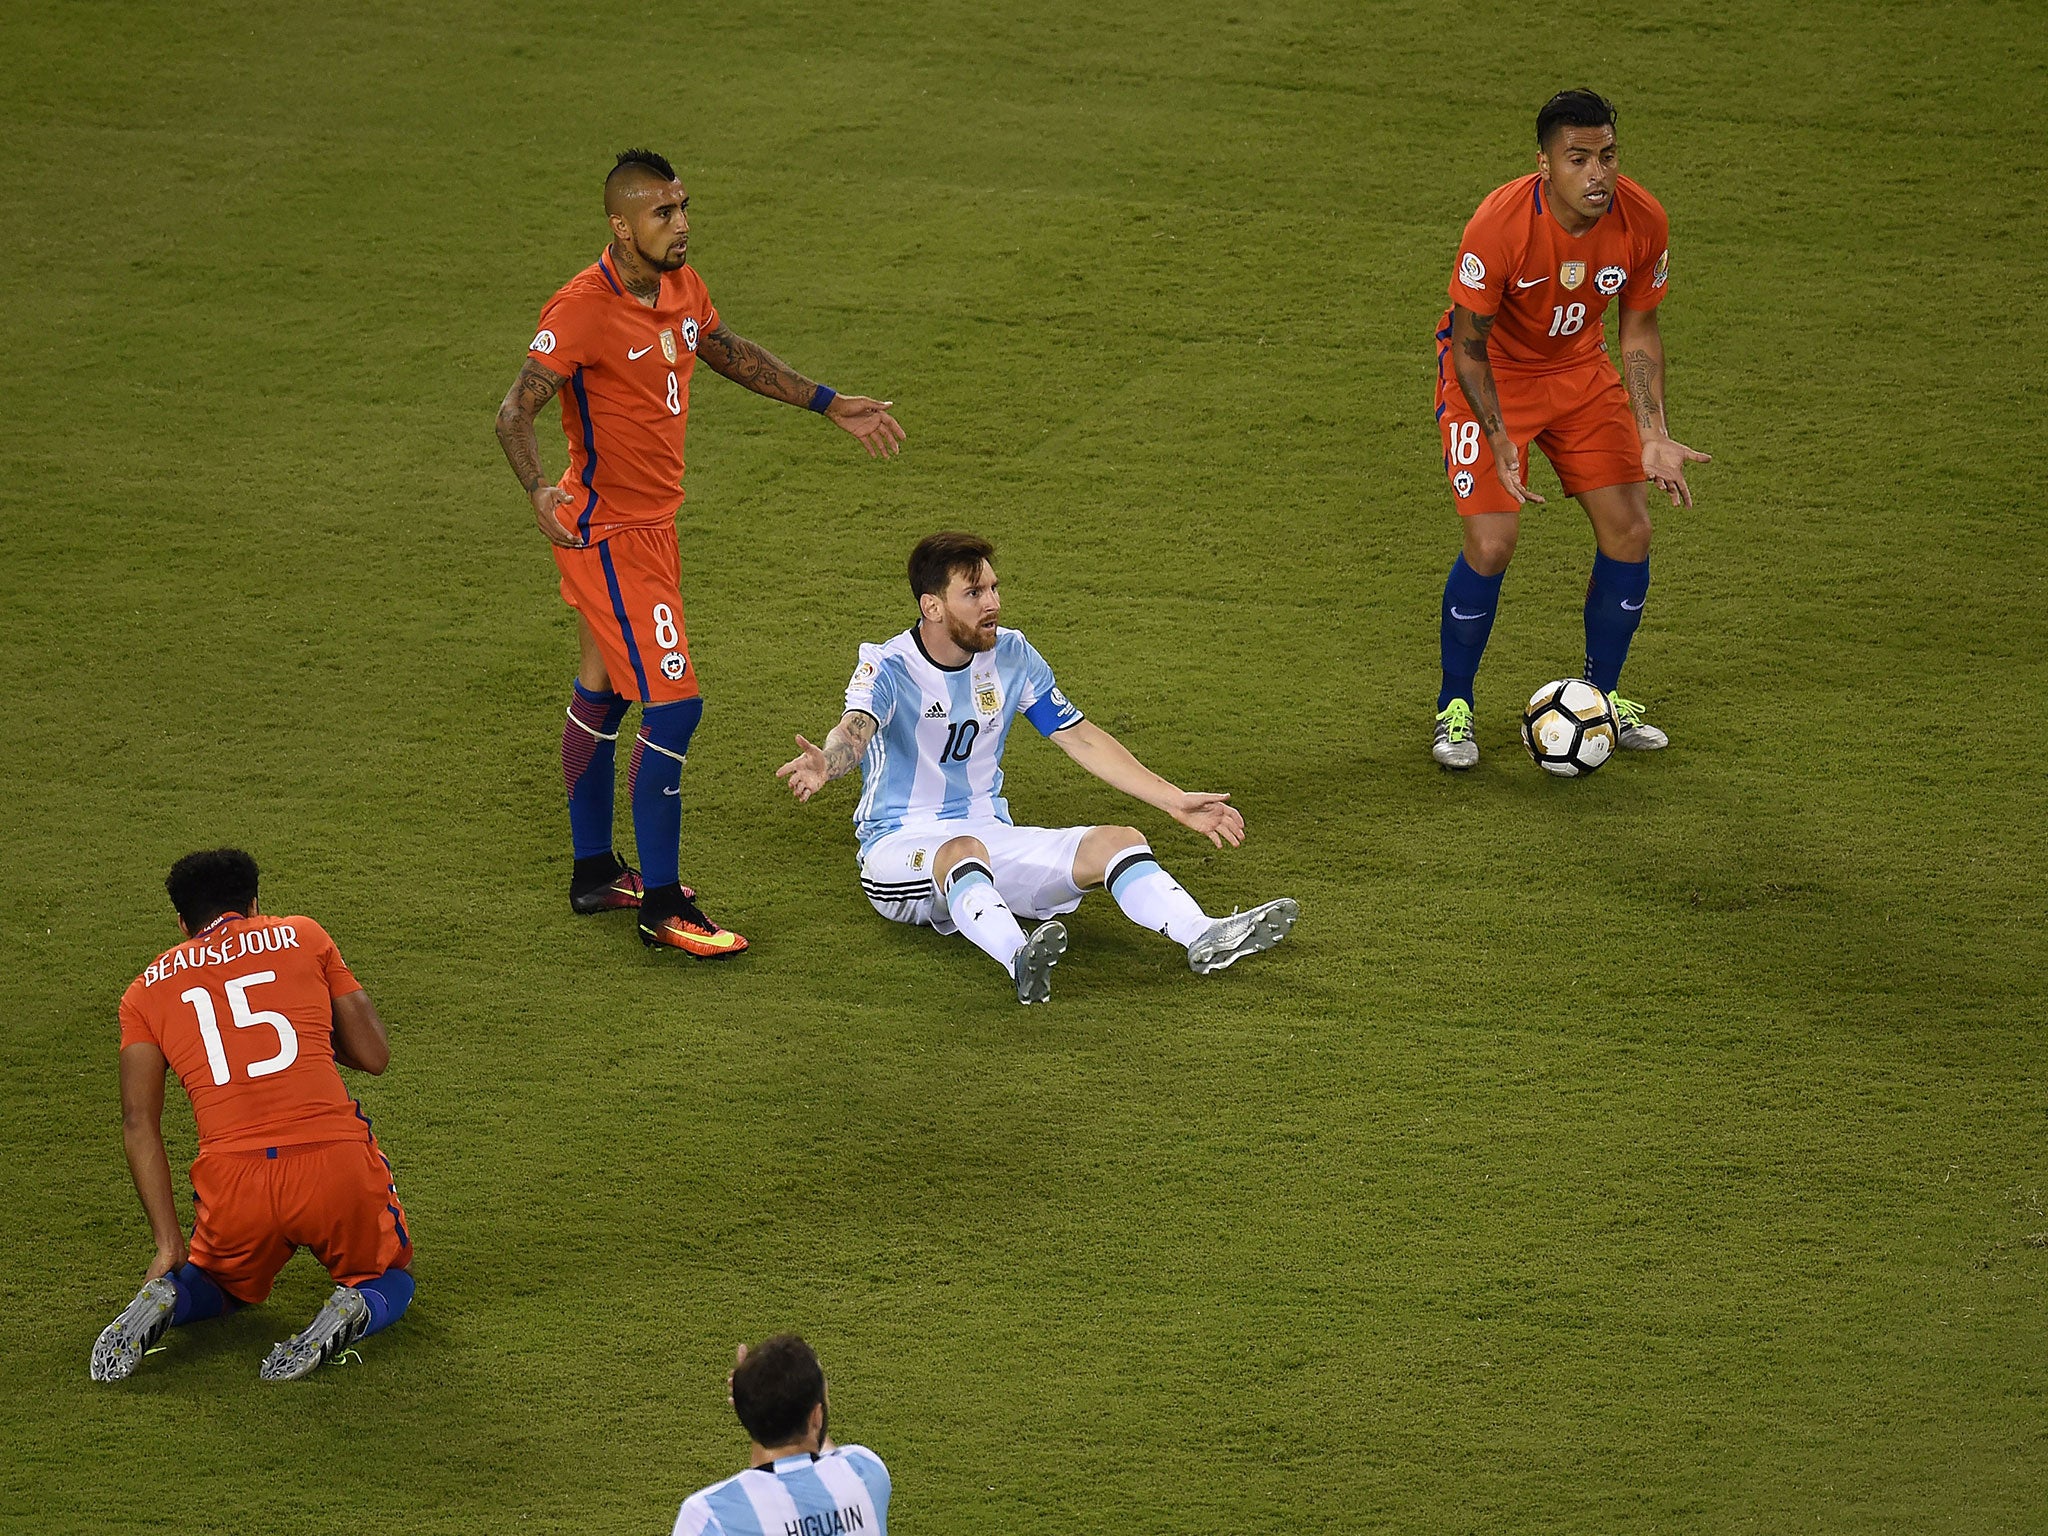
<point x="543" y="342"/>
<point x="1472" y="271"/>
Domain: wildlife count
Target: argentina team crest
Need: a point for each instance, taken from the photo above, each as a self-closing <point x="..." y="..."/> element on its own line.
<point x="986" y="698"/>
<point x="668" y="344"/>
<point x="1571" y="274"/>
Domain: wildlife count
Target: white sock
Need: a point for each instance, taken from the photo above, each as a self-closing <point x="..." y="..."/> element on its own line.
<point x="980" y="913"/>
<point x="1152" y="898"/>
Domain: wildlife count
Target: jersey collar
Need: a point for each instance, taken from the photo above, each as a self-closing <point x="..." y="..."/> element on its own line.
<point x="917" y="639"/>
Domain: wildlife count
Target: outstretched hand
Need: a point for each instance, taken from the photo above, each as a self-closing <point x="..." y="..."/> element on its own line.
<point x="868" y="420"/>
<point x="1211" y="815"/>
<point x="1664" y="461"/>
<point x="806" y="772"/>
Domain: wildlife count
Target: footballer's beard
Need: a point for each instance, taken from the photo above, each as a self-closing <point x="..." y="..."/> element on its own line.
<point x="677" y="257"/>
<point x="971" y="638"/>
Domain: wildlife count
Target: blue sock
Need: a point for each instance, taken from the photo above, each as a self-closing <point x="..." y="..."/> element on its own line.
<point x="388" y="1295"/>
<point x="198" y="1297"/>
<point x="656" y="775"/>
<point x="589" y="740"/>
<point x="1614" y="607"/>
<point x="1469" y="601"/>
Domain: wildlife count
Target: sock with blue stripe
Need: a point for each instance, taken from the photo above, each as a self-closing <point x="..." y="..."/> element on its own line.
<point x="388" y="1295"/>
<point x="1614" y="607"/>
<point x="590" y="738"/>
<point x="198" y="1296"/>
<point x="1469" y="601"/>
<point x="979" y="912"/>
<point x="655" y="777"/>
<point x="1152" y="898"/>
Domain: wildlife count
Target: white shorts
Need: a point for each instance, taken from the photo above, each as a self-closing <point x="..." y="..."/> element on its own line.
<point x="1033" y="866"/>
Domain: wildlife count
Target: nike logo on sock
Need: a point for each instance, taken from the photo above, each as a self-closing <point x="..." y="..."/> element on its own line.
<point x="1482" y="613"/>
<point x="675" y="791"/>
<point x="1633" y="607"/>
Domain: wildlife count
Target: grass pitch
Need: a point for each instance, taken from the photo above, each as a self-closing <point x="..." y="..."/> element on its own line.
<point x="1658" y="1152"/>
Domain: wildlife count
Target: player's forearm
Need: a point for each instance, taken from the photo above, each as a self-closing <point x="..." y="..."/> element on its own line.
<point x="750" y="364"/>
<point x="847" y="744"/>
<point x="1113" y="763"/>
<point x="522" y="448"/>
<point x="1642" y="373"/>
<point x="150" y="1167"/>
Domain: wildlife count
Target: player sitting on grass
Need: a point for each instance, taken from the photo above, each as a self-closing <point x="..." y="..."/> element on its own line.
<point x="927" y="717"/>
<point x="797" y="1480"/>
<point x="252" y="1013"/>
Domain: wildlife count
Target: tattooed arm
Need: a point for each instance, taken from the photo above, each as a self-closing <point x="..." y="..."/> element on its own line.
<point x="750" y="364"/>
<point x="815" y="767"/>
<point x="534" y="388"/>
<point x="1475" y="378"/>
<point x="1642" y="371"/>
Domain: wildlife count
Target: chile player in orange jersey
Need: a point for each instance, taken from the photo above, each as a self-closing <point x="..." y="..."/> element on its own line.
<point x="619" y="343"/>
<point x="253" y="1013"/>
<point x="1521" y="358"/>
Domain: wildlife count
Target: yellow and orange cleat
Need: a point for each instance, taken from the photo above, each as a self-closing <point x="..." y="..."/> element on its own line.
<point x="606" y="883"/>
<point x="671" y="919"/>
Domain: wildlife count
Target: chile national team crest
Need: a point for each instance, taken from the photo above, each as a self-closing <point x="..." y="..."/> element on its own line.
<point x="668" y="344"/>
<point x="689" y="333"/>
<point x="1571" y="274"/>
<point x="1610" y="279"/>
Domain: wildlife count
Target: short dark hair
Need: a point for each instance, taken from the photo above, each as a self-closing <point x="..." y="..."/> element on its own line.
<point x="937" y="557"/>
<point x="642" y="159"/>
<point x="775" y="1388"/>
<point x="1579" y="107"/>
<point x="204" y="885"/>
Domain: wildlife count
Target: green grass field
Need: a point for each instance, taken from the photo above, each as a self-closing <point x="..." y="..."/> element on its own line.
<point x="1661" y="1152"/>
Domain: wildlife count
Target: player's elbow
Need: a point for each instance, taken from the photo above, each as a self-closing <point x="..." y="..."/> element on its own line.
<point x="371" y="1056"/>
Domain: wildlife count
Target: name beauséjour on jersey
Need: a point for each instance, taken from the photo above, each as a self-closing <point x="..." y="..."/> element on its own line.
<point x="250" y="941"/>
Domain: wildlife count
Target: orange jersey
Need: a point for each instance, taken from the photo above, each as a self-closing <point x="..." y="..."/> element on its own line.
<point x="243" y="1011"/>
<point x="1546" y="289"/>
<point x="626" y="401"/>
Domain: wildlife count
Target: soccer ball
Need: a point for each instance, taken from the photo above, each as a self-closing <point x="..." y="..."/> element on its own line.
<point x="1569" y="727"/>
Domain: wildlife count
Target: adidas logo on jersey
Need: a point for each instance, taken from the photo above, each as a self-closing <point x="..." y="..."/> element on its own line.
<point x="936" y="712"/>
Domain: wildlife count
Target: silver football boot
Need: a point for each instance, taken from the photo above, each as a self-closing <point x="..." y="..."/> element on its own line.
<point x="1455" y="746"/>
<point x="1630" y="731"/>
<point x="123" y="1342"/>
<point x="342" y="1319"/>
<point x="1229" y="939"/>
<point x="1033" y="964"/>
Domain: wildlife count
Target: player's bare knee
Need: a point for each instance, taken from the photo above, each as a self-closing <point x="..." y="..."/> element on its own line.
<point x="1489" y="553"/>
<point x="953" y="851"/>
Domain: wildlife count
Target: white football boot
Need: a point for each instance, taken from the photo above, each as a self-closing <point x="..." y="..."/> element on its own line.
<point x="1455" y="746"/>
<point x="342" y="1319"/>
<point x="123" y="1342"/>
<point x="1630" y="733"/>
<point x="1229" y="939"/>
<point x="1032" y="965"/>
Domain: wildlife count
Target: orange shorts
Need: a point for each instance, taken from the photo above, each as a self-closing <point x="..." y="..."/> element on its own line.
<point x="254" y="1210"/>
<point x="626" y="590"/>
<point x="1579" y="419"/>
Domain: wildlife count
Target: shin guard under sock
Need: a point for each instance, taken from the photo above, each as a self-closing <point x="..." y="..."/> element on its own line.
<point x="590" y="737"/>
<point x="980" y="913"/>
<point x="1469" y="602"/>
<point x="1152" y="898"/>
<point x="1614" y="607"/>
<point x="656" y="780"/>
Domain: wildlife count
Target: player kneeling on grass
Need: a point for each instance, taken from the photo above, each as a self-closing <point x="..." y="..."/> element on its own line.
<point x="797" y="1480"/>
<point x="927" y="717"/>
<point x="253" y="1013"/>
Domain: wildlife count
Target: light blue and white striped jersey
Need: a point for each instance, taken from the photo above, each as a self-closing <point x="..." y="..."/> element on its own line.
<point x="939" y="753"/>
<point x="843" y="1492"/>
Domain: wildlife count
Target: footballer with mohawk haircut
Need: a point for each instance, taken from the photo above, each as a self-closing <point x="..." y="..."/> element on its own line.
<point x="619" y="342"/>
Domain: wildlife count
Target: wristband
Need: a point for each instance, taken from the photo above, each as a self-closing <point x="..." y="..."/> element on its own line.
<point x="822" y="398"/>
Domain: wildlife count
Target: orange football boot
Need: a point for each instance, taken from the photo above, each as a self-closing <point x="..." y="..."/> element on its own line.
<point x="670" y="918"/>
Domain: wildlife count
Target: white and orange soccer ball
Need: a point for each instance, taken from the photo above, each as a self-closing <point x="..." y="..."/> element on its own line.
<point x="1569" y="727"/>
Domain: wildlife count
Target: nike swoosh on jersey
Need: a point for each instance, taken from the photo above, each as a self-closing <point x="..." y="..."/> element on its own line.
<point x="1482" y="613"/>
<point x="1531" y="283"/>
<point x="631" y="355"/>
